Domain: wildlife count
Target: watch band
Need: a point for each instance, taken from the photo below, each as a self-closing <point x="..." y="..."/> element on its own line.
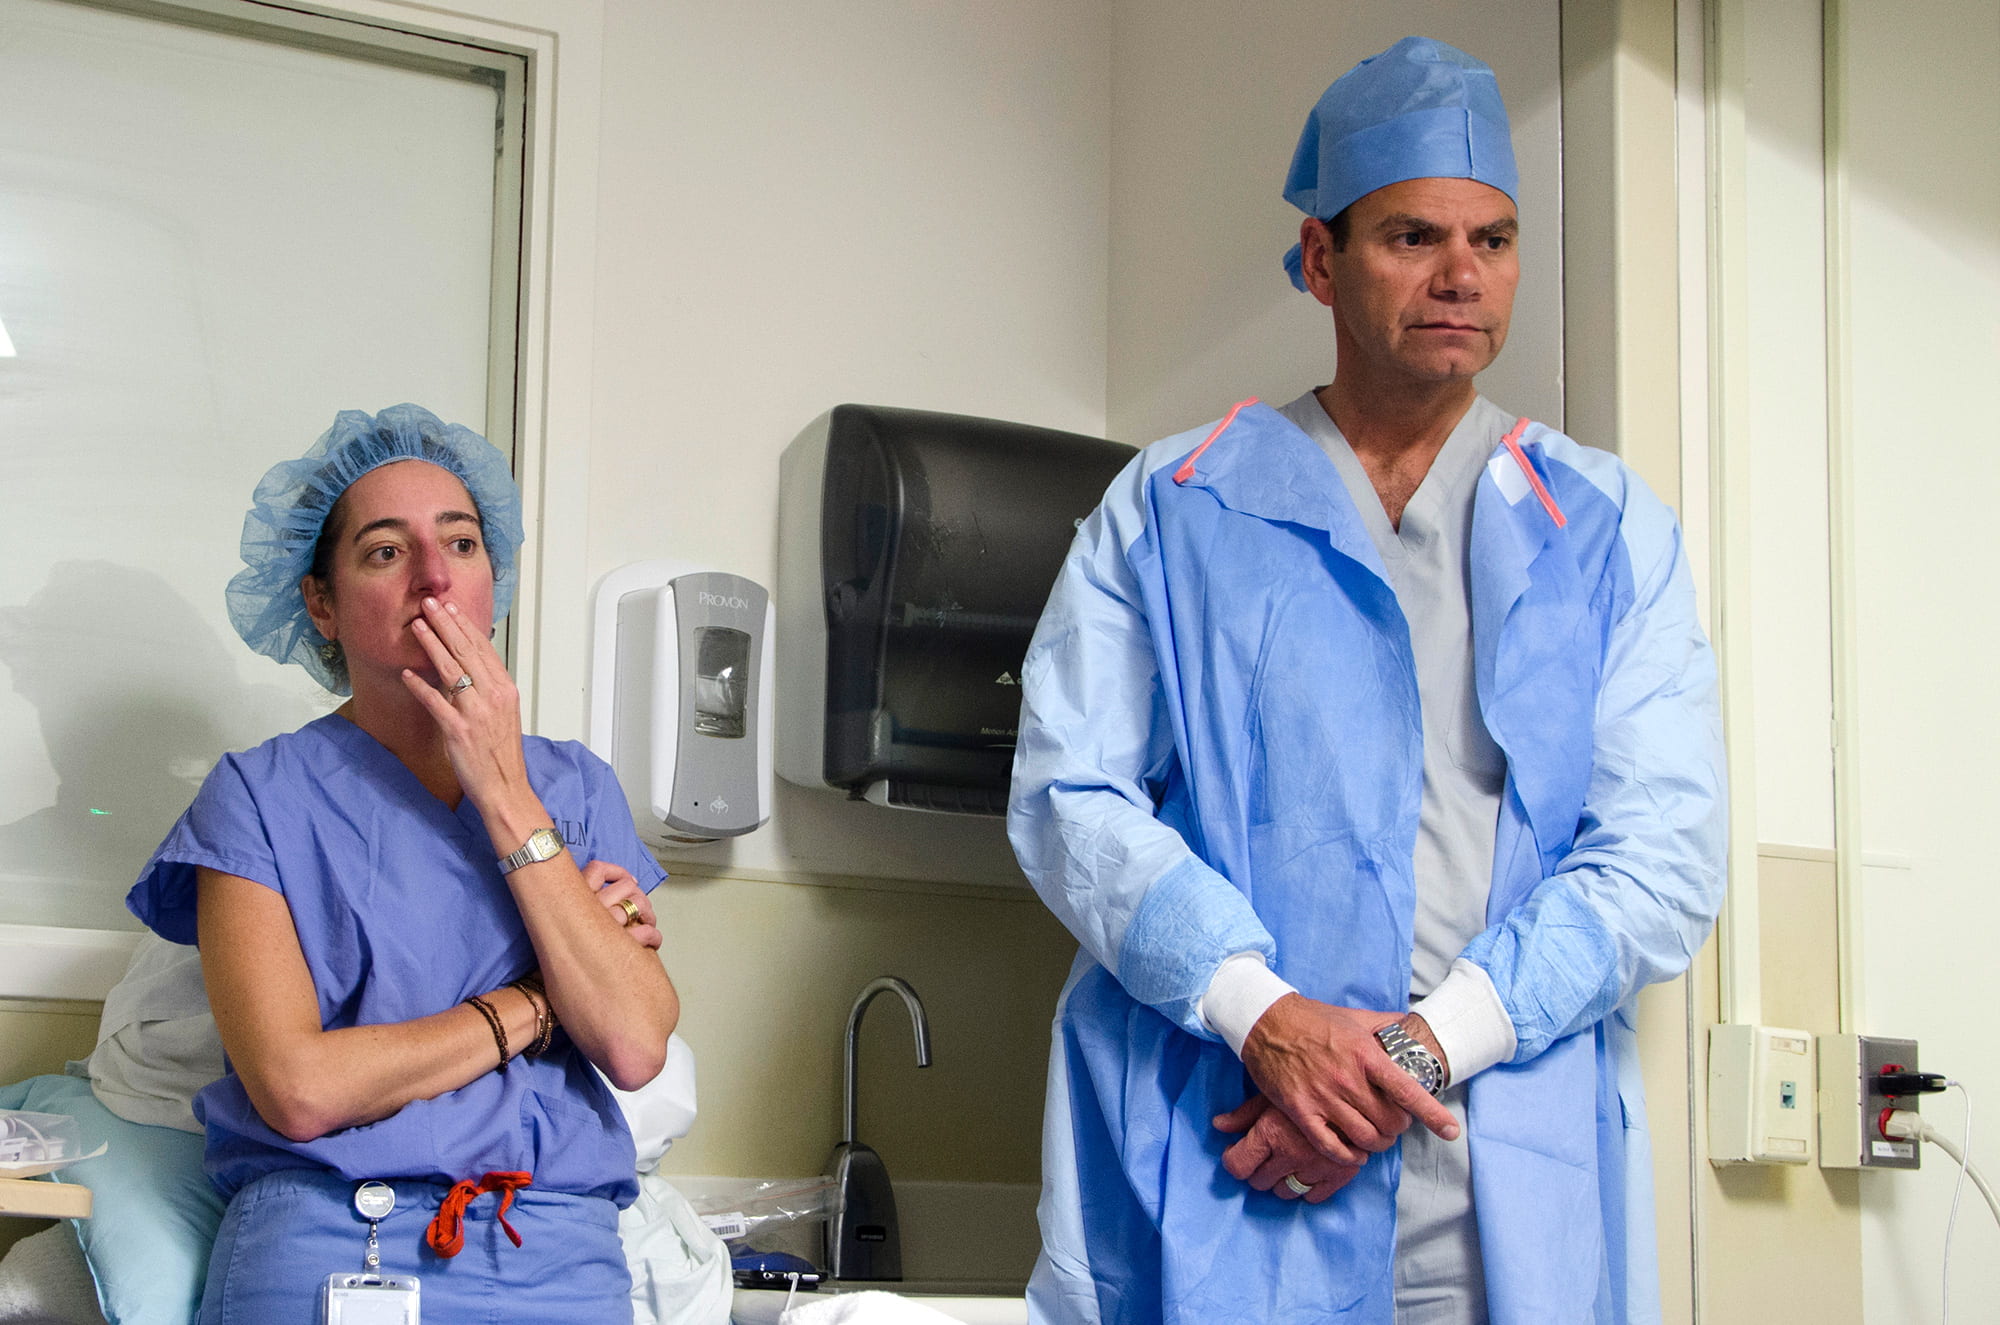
<point x="1412" y="1057"/>
<point x="542" y="844"/>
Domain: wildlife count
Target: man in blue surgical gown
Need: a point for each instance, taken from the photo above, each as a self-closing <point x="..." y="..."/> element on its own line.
<point x="1370" y="749"/>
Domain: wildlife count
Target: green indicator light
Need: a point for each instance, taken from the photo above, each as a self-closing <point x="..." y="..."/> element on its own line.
<point x="95" y="810"/>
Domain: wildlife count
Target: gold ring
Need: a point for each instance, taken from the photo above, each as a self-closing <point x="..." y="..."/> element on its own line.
<point x="1294" y="1186"/>
<point x="631" y="910"/>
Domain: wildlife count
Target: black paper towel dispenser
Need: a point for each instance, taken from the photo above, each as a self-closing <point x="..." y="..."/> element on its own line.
<point x="915" y="553"/>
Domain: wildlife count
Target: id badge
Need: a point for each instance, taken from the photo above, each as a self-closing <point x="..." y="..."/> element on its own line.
<point x="368" y="1299"/>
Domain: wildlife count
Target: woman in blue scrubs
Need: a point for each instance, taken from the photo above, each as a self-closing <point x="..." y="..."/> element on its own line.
<point x="419" y="928"/>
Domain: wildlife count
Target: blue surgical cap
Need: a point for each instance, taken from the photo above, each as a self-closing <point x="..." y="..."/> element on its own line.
<point x="1419" y="110"/>
<point x="292" y="501"/>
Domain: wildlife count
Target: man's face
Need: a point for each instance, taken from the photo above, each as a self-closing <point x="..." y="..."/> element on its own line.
<point x="1424" y="288"/>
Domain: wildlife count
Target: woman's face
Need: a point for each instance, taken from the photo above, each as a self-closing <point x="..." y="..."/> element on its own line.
<point x="406" y="531"/>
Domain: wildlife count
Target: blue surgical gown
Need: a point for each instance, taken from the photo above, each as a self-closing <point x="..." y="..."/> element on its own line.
<point x="1221" y="751"/>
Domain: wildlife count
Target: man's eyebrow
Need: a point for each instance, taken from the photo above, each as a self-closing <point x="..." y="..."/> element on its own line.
<point x="394" y="522"/>
<point x="1400" y="221"/>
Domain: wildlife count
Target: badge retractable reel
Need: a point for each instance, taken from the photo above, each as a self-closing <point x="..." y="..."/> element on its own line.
<point x="370" y="1297"/>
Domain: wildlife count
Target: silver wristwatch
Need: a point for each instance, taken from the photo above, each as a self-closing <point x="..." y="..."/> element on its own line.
<point x="542" y="844"/>
<point x="1412" y="1057"/>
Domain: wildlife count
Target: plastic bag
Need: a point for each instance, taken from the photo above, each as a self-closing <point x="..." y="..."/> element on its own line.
<point x="680" y="1270"/>
<point x="36" y="1143"/>
<point x="740" y="1211"/>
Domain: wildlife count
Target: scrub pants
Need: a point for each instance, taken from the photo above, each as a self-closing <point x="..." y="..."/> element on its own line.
<point x="284" y="1233"/>
<point x="1440" y="1277"/>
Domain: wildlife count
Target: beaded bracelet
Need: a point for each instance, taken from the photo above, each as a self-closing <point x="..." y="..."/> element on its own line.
<point x="499" y="1029"/>
<point x="545" y="1016"/>
<point x="538" y="996"/>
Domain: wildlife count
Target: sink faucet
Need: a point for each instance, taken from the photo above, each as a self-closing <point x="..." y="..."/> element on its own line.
<point x="861" y="1238"/>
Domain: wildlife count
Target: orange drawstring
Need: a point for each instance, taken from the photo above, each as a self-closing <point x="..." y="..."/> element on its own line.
<point x="446" y="1234"/>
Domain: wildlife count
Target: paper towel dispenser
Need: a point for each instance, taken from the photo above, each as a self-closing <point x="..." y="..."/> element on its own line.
<point x="916" y="551"/>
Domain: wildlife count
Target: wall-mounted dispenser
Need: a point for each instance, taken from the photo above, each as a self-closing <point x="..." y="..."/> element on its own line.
<point x="915" y="554"/>
<point x="680" y="702"/>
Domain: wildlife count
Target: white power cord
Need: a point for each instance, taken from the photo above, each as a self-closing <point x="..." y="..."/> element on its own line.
<point x="1908" y="1125"/>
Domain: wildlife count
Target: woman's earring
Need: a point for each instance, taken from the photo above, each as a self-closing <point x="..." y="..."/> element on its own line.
<point x="329" y="652"/>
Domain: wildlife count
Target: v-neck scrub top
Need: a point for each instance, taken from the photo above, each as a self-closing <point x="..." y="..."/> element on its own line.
<point x="401" y="911"/>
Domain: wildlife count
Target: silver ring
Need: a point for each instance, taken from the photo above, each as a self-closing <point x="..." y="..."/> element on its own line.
<point x="464" y="682"/>
<point x="1295" y="1187"/>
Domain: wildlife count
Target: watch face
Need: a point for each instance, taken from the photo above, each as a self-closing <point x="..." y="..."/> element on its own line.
<point x="1412" y="1057"/>
<point x="1419" y="1063"/>
<point x="542" y="844"/>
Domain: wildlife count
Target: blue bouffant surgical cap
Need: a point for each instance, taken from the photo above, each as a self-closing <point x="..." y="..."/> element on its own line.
<point x="1419" y="110"/>
<point x="292" y="501"/>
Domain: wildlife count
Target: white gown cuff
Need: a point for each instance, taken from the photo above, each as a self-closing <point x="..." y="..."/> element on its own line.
<point x="1242" y="990"/>
<point x="1465" y="1014"/>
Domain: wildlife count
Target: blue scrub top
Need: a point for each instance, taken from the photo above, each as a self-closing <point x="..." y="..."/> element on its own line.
<point x="401" y="912"/>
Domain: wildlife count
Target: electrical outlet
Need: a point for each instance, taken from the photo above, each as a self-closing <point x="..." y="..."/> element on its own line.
<point x="1760" y="1095"/>
<point x="1850" y="1110"/>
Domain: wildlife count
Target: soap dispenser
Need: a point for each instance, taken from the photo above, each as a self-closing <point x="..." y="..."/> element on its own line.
<point x="680" y="702"/>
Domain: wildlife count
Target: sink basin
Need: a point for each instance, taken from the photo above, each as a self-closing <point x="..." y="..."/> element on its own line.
<point x="967" y="1249"/>
<point x="971" y="1303"/>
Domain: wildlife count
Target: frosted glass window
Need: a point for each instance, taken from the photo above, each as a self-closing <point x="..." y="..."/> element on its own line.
<point x="210" y="242"/>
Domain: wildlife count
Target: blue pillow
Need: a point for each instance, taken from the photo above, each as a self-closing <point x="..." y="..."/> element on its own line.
<point x="153" y="1212"/>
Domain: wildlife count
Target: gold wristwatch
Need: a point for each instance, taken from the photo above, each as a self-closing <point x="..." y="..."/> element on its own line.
<point x="542" y="844"/>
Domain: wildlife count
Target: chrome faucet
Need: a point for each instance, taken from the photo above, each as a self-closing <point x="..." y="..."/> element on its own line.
<point x="862" y="1241"/>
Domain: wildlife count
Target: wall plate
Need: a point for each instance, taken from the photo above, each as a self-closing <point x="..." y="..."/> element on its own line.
<point x="1850" y="1112"/>
<point x="1760" y="1095"/>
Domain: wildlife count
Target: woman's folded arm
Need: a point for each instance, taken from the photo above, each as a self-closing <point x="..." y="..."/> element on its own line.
<point x="306" y="1081"/>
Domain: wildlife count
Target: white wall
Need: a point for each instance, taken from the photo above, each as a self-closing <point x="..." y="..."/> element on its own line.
<point x="1784" y="384"/>
<point x="802" y="205"/>
<point x="1924" y="120"/>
